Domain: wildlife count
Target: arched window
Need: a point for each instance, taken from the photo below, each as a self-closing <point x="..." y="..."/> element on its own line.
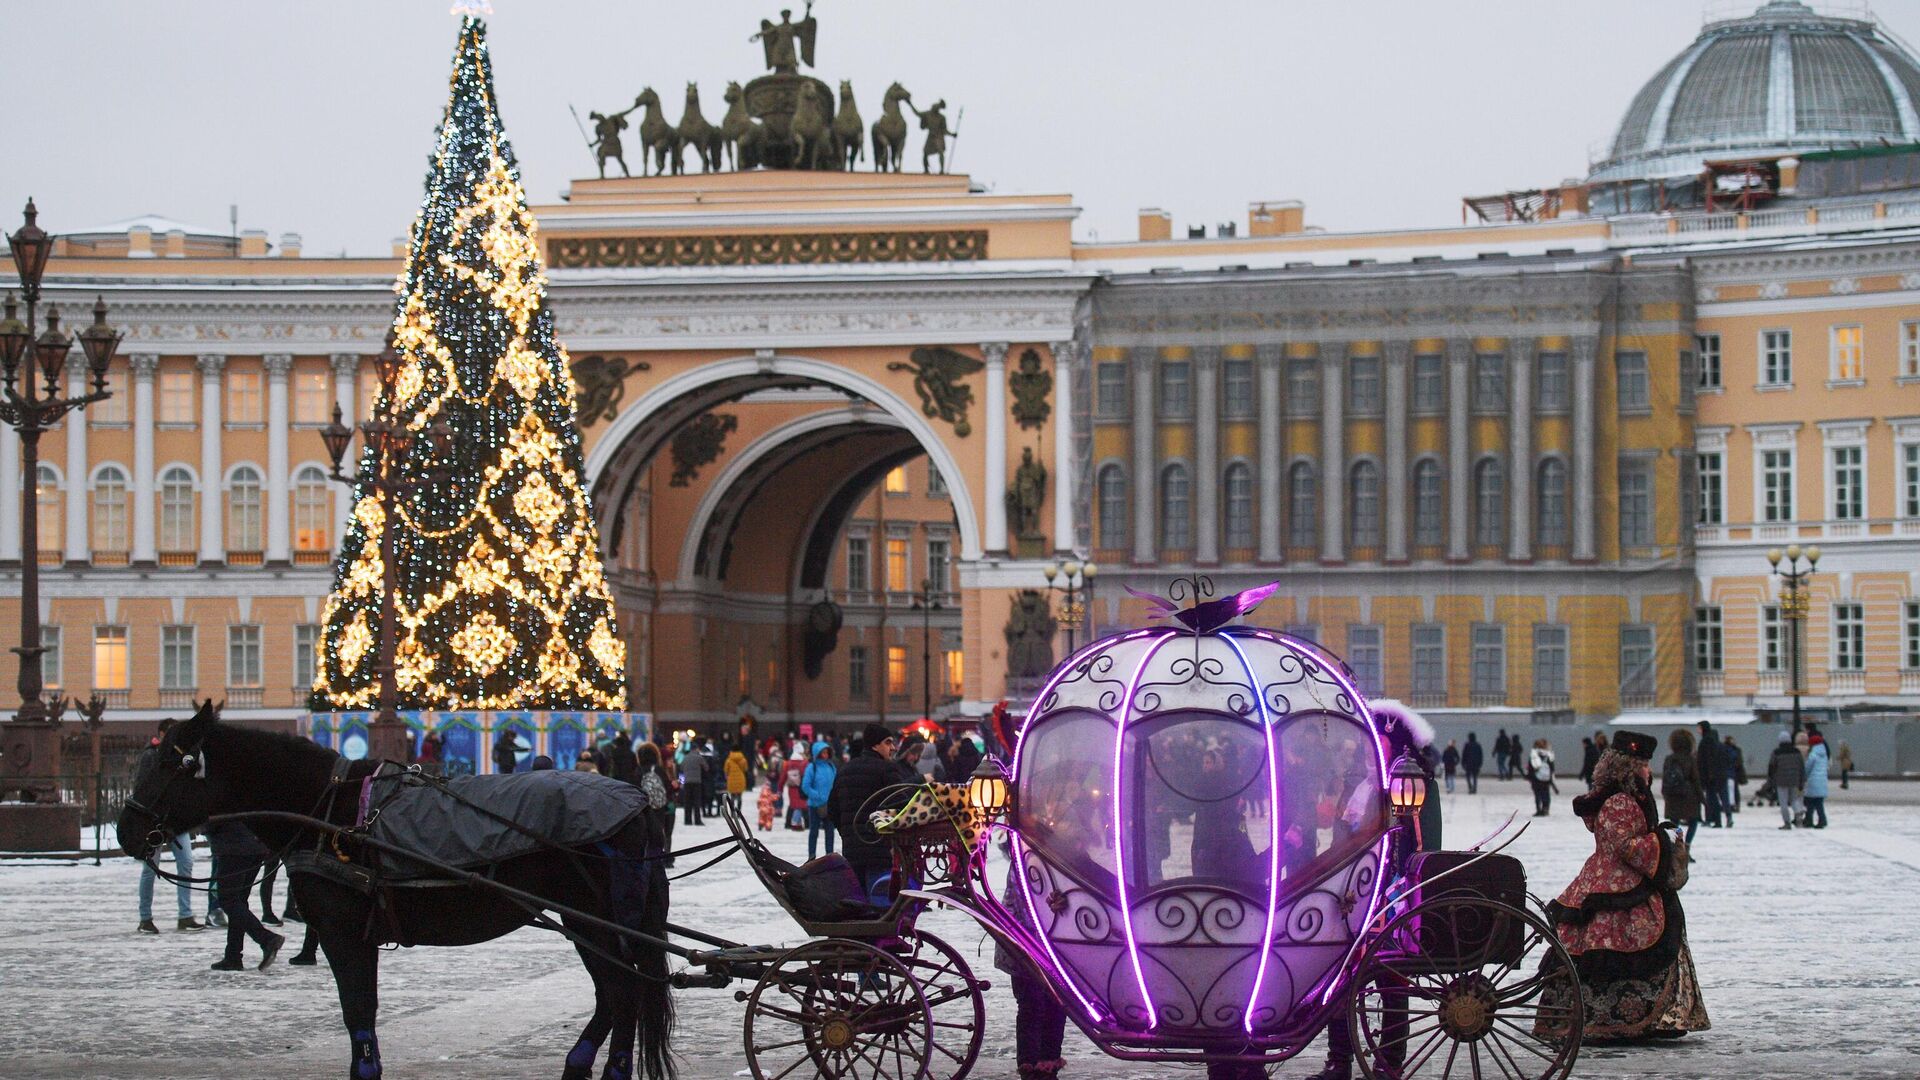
<point x="1176" y="509"/>
<point x="243" y="509"/>
<point x="110" y="509"/>
<point x="176" y="509"/>
<point x="47" y="494"/>
<point x="1364" y="505"/>
<point x="1552" y="525"/>
<point x="1429" y="515"/>
<point x="1239" y="485"/>
<point x="1302" y="517"/>
<point x="1489" y="503"/>
<point x="1113" y="507"/>
<point x="311" y="529"/>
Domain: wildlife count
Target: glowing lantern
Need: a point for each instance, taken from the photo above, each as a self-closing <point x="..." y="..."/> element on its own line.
<point x="987" y="789"/>
<point x="1407" y="786"/>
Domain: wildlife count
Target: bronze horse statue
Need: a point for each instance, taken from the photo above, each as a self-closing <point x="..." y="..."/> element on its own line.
<point x="657" y="137"/>
<point x="890" y="131"/>
<point x="849" y="133"/>
<point x="812" y="129"/>
<point x="742" y="136"/>
<point x="694" y="131"/>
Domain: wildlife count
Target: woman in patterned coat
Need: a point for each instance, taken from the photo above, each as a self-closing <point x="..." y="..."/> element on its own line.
<point x="1621" y="919"/>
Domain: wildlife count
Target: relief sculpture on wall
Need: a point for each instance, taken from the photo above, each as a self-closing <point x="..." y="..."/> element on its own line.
<point x="938" y="374"/>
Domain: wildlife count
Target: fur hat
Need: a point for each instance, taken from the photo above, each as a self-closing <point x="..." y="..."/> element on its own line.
<point x="1404" y="728"/>
<point x="873" y="735"/>
<point x="1634" y="744"/>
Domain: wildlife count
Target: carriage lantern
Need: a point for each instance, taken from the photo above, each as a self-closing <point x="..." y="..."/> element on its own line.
<point x="987" y="789"/>
<point x="1407" y="785"/>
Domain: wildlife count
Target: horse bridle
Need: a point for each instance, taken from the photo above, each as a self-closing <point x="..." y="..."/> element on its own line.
<point x="191" y="761"/>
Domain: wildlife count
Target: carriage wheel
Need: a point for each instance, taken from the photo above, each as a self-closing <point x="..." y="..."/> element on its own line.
<point x="1462" y="986"/>
<point x="957" y="1003"/>
<point x="838" y="1008"/>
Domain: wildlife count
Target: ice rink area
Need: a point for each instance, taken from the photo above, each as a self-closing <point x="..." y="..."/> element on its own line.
<point x="1806" y="941"/>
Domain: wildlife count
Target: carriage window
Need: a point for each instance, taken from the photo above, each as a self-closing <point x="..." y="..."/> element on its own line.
<point x="1200" y="801"/>
<point x="1065" y="805"/>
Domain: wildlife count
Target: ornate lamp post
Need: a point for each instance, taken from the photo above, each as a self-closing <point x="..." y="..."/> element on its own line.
<point x="926" y="604"/>
<point x="1075" y="584"/>
<point x="1793" y="608"/>
<point x="33" y="741"/>
<point x="393" y="475"/>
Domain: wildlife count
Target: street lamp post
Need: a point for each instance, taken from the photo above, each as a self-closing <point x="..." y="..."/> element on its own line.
<point x="390" y="478"/>
<point x="1074" y="581"/>
<point x="33" y="743"/>
<point x="1793" y="608"/>
<point x="926" y="602"/>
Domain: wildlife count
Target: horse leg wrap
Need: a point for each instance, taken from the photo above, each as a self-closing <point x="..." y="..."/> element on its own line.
<point x="619" y="1066"/>
<point x="366" y="1056"/>
<point x="580" y="1061"/>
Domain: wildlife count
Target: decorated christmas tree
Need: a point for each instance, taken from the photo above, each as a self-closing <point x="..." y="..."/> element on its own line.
<point x="500" y="595"/>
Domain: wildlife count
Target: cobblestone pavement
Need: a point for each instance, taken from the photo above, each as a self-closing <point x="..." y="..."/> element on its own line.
<point x="1806" y="944"/>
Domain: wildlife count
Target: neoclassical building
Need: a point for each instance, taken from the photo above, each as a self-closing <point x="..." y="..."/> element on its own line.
<point x="1528" y="464"/>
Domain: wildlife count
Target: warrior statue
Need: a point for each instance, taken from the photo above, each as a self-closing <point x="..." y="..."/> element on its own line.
<point x="934" y="122"/>
<point x="1029" y="632"/>
<point x="1024" y="496"/>
<point x="606" y="138"/>
<point x="779" y="41"/>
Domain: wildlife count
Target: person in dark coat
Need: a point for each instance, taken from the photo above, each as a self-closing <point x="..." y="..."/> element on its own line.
<point x="854" y="784"/>
<point x="506" y="752"/>
<point x="240" y="856"/>
<point x="1680" y="782"/>
<point x="1450" y="761"/>
<point x="1472" y="757"/>
<point x="1589" y="757"/>
<point x="1786" y="772"/>
<point x="1711" y="759"/>
<point x="1503" y="755"/>
<point x="622" y="765"/>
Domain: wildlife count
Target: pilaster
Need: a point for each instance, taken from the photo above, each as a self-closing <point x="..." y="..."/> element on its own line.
<point x="212" y="542"/>
<point x="1520" y="353"/>
<point x="1398" y="355"/>
<point x="1268" y="360"/>
<point x="1206" y="452"/>
<point x="142" y="542"/>
<point x="279" y="550"/>
<point x="79" y="544"/>
<point x="1333" y="453"/>
<point x="1585" y="487"/>
<point x="1146" y="472"/>
<point x="1459" y="356"/>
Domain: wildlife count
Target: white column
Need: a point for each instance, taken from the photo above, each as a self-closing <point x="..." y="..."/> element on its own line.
<point x="1146" y="474"/>
<point x="995" y="353"/>
<point x="278" y="547"/>
<point x="1206" y="454"/>
<point x="10" y="484"/>
<point x="144" y="365"/>
<point x="1520" y="442"/>
<point x="1397" y="358"/>
<point x="346" y="372"/>
<point x="1065" y="355"/>
<point x="1333" y="453"/>
<point x="1459" y="355"/>
<point x="213" y="546"/>
<point x="79" y="471"/>
<point x="1584" y="509"/>
<point x="1271" y="468"/>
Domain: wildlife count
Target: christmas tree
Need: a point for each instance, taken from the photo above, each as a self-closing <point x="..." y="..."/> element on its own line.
<point x="501" y="599"/>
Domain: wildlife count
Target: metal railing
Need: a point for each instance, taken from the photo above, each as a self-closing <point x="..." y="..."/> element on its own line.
<point x="178" y="698"/>
<point x="245" y="697"/>
<point x="1811" y="219"/>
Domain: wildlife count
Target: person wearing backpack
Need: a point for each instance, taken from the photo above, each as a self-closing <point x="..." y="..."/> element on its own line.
<point x="816" y="783"/>
<point x="1540" y="776"/>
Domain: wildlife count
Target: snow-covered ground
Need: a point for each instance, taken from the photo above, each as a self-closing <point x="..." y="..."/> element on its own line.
<point x="1807" y="944"/>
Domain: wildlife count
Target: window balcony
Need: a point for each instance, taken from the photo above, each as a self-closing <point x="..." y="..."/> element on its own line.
<point x="245" y="558"/>
<point x="174" y="697"/>
<point x="116" y="698"/>
<point x="1429" y="699"/>
<point x="1710" y="683"/>
<point x="1636" y="699"/>
<point x="1548" y="700"/>
<point x="1772" y="682"/>
<point x="312" y="558"/>
<point x="109" y="558"/>
<point x="1846" y="682"/>
<point x="1487" y="699"/>
<point x="52" y="556"/>
<point x="244" y="697"/>
<point x="1910" y="682"/>
<point x="179" y="560"/>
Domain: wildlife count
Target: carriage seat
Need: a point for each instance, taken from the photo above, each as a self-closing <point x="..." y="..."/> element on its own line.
<point x="828" y="889"/>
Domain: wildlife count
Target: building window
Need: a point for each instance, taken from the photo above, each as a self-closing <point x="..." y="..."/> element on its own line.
<point x="1363" y="659"/>
<point x="1710" y="479"/>
<point x="1551" y="375"/>
<point x="1363" y="505"/>
<point x="243" y="509"/>
<point x="896" y="671"/>
<point x="1636" y="503"/>
<point x="1910" y="349"/>
<point x="1239" y="485"/>
<point x="899" y="572"/>
<point x="1176" y="509"/>
<point x="1363" y="385"/>
<point x="1773" y="655"/>
<point x="312" y="397"/>
<point x="176" y="509"/>
<point x="1630" y="371"/>
<point x="936" y="483"/>
<point x="1776" y="485"/>
<point x="1849" y="638"/>
<point x="1176" y="388"/>
<point x="243" y="656"/>
<point x="306" y="644"/>
<point x="1110" y="379"/>
<point x="859" y="577"/>
<point x="1490" y="383"/>
<point x="1113" y="507"/>
<point x="1848" y="362"/>
<point x="1551" y="523"/>
<point x="857" y="671"/>
<point x="1489" y="662"/>
<point x="46" y="492"/>
<point x="1636" y="666"/>
<point x="1707" y="639"/>
<point x="1707" y="347"/>
<point x="956" y="672"/>
<point x="1849" y="484"/>
<point x="1429" y="520"/>
<point x="1303" y="631"/>
<point x="1303" y="386"/>
<point x="177" y="670"/>
<point x="311" y="525"/>
<point x="1912" y="651"/>
<point x="1429" y="661"/>
<point x="1910" y="480"/>
<point x="1429" y="383"/>
<point x="896" y="481"/>
<point x="1237" y="375"/>
<point x="110" y="658"/>
<point x="1689" y="489"/>
<point x="1776" y="357"/>
<point x="939" y="564"/>
<point x="113" y="411"/>
<point x="50" y="657"/>
<point x="174" y="391"/>
<point x="1302" y="520"/>
<point x="243" y="398"/>
<point x="1489" y="503"/>
<point x="1550" y="672"/>
<point x="110" y="509"/>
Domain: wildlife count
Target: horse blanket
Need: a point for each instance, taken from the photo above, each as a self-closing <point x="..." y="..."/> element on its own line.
<point x="567" y="807"/>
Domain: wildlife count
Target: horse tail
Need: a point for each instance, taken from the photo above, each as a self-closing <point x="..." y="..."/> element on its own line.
<point x="654" y="1048"/>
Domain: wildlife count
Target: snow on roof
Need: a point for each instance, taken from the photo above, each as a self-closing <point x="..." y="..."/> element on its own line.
<point x="160" y="226"/>
<point x="1677" y="717"/>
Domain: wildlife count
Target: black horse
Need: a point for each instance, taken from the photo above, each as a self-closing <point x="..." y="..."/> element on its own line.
<point x="204" y="768"/>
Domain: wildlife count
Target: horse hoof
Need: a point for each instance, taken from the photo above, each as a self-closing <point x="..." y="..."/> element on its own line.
<point x="577" y="1072"/>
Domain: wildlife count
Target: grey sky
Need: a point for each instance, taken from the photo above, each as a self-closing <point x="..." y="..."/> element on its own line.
<point x="316" y="117"/>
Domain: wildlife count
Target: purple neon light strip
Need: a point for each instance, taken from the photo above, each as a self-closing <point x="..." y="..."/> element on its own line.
<point x="1119" y="816"/>
<point x="1273" y="828"/>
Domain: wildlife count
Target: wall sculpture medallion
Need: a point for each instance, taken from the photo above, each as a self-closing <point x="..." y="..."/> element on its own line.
<point x="938" y="374"/>
<point x="1030" y="385"/>
<point x="698" y="443"/>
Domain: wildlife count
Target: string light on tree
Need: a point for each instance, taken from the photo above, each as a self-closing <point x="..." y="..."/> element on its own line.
<point x="501" y="600"/>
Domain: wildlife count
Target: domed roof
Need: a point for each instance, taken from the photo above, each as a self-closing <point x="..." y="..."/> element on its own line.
<point x="1783" y="80"/>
